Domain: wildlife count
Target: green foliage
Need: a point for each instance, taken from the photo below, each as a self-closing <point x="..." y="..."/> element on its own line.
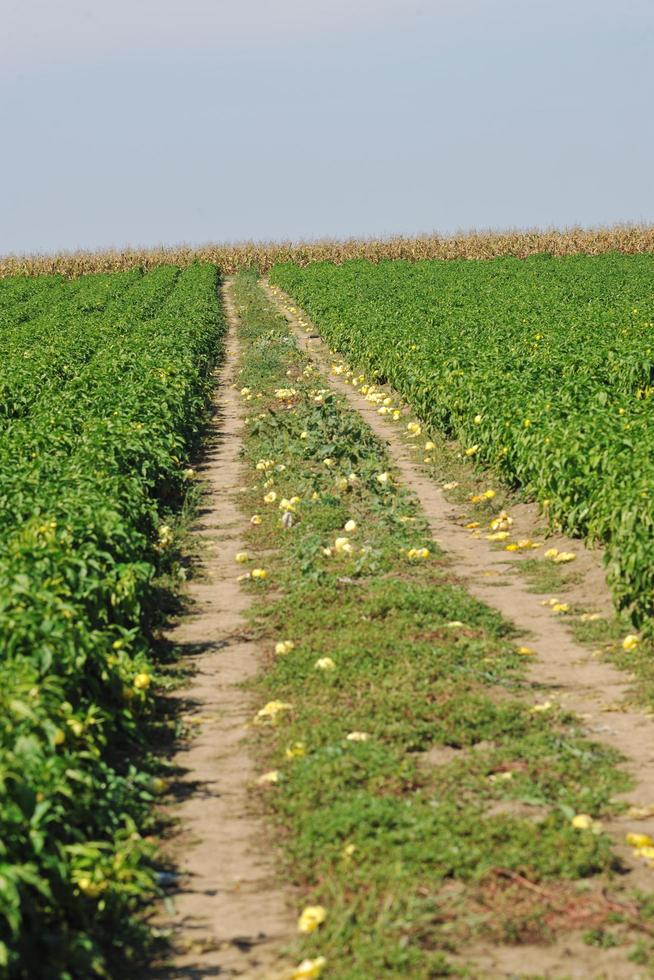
<point x="103" y="388"/>
<point x="547" y="365"/>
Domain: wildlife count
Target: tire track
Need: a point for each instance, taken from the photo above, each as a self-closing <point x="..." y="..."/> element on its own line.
<point x="230" y="919"/>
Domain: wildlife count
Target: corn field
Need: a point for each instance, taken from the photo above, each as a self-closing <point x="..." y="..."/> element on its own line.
<point x="629" y="239"/>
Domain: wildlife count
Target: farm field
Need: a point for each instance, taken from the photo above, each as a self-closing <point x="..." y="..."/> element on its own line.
<point x="436" y="795"/>
<point x="541" y="368"/>
<point x="393" y="757"/>
<point x="104" y="387"/>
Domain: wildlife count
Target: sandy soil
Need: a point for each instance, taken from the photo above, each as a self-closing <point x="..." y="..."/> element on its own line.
<point x="562" y="672"/>
<point x="230" y="918"/>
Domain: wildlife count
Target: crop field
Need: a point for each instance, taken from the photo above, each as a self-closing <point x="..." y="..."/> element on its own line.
<point x="543" y="369"/>
<point x="103" y="390"/>
<point x="325" y="612"/>
<point x="230" y="258"/>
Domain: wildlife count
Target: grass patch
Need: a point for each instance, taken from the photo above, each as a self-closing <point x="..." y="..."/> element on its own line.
<point x="546" y="577"/>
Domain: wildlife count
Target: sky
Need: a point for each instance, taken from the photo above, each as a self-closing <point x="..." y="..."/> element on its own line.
<point x="148" y="122"/>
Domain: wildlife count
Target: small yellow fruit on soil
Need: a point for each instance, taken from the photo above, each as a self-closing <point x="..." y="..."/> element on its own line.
<point x="268" y="777"/>
<point x="418" y="553"/>
<point x="630" y="642"/>
<point x="325" y="663"/>
<point x="309" y="969"/>
<point x="259" y="573"/>
<point x="312" y="917"/>
<point x="272" y="711"/>
<point x="639" y="840"/>
<point x="583" y="821"/>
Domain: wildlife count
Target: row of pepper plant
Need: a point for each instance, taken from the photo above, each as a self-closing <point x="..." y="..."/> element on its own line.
<point x="104" y="387"/>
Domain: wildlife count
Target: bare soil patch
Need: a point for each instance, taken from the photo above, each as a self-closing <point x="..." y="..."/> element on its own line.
<point x="230" y="917"/>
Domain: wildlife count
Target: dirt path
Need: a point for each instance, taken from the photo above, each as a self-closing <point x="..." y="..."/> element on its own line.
<point x="562" y="672"/>
<point x="230" y="920"/>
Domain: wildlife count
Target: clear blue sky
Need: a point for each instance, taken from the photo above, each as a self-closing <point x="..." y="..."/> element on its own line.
<point x="166" y="121"/>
